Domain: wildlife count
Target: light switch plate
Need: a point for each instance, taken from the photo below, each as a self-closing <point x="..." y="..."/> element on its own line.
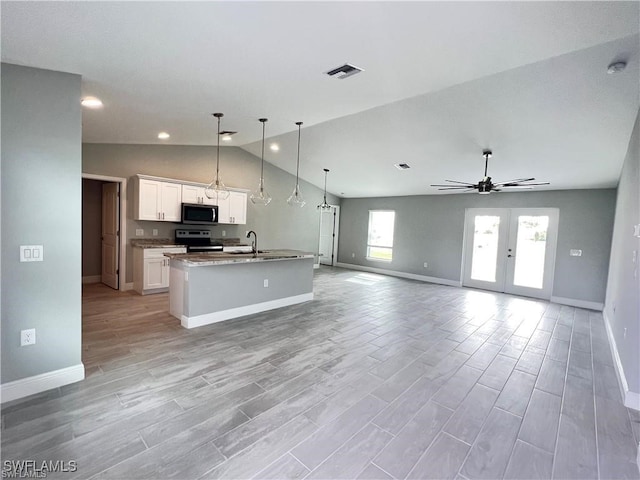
<point x="154" y="232"/>
<point x="139" y="232"/>
<point x="574" y="252"/>
<point x="31" y="253"/>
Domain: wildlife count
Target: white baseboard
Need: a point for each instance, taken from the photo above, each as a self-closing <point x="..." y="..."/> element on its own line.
<point x="40" y="383"/>
<point x="214" y="317"/>
<point x="631" y="399"/>
<point x="127" y="286"/>
<point x="92" y="279"/>
<point x="572" y="302"/>
<point x="394" y="273"/>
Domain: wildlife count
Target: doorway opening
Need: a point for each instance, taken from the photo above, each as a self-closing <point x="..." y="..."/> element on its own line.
<point x="511" y="250"/>
<point x="329" y="229"/>
<point x="104" y="230"/>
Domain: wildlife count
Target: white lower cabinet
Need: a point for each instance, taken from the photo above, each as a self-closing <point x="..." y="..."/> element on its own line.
<point x="151" y="269"/>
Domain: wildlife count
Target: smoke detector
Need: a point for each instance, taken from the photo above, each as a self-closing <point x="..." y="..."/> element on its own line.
<point x="346" y="70"/>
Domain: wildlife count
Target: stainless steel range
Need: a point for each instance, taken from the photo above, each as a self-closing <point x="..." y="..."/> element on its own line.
<point x="197" y="241"/>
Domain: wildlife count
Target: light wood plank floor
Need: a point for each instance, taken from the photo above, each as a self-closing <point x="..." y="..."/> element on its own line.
<point x="378" y="377"/>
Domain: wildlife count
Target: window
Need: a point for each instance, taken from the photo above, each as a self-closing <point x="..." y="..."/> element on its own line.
<point x="380" y="241"/>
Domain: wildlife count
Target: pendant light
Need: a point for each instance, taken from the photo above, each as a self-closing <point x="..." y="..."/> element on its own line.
<point x="217" y="189"/>
<point x="324" y="205"/>
<point x="296" y="199"/>
<point x="261" y="196"/>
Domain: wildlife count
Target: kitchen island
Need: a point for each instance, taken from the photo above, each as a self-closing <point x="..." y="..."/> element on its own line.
<point x="211" y="287"/>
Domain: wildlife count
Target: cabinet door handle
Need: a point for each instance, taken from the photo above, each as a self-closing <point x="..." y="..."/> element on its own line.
<point x="163" y="215"/>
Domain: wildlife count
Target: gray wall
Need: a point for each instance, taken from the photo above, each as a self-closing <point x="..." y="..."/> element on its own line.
<point x="430" y="228"/>
<point x="622" y="307"/>
<point x="277" y="225"/>
<point x="41" y="197"/>
<point x="91" y="227"/>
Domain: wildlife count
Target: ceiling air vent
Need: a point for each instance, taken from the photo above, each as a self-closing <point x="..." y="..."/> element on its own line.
<point x="344" y="71"/>
<point x="402" y="166"/>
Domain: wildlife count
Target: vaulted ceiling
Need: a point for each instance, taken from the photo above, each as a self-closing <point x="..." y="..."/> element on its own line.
<point x="441" y="81"/>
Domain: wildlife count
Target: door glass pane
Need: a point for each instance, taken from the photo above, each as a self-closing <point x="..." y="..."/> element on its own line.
<point x="531" y="245"/>
<point x="485" y="248"/>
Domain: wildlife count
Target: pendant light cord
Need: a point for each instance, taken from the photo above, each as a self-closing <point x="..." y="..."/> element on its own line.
<point x="218" y="116"/>
<point x="298" y="162"/>
<point x="325" y="186"/>
<point x="263" y="120"/>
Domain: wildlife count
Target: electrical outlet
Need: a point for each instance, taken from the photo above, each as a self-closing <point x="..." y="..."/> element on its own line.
<point x="27" y="337"/>
<point x="426" y="265"/>
<point x="139" y="232"/>
<point x="353" y="255"/>
<point x="574" y="252"/>
<point x="154" y="232"/>
<point x="224" y="233"/>
<point x="266" y="283"/>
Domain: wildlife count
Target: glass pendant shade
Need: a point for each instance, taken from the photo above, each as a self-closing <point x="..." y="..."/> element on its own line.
<point x="324" y="205"/>
<point x="296" y="199"/>
<point x="217" y="190"/>
<point x="261" y="196"/>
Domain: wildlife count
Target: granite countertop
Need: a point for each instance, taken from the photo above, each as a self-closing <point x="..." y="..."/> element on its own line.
<point x="154" y="243"/>
<point x="216" y="258"/>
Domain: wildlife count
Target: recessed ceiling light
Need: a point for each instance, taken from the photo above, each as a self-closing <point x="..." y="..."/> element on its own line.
<point x="275" y="147"/>
<point x="163" y="135"/>
<point x="91" y="102"/>
<point x="616" y="67"/>
<point x="226" y="138"/>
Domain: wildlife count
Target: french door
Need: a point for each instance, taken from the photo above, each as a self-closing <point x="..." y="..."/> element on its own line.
<point x="511" y="250"/>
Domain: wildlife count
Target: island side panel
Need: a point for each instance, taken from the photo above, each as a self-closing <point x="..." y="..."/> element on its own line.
<point x="214" y="293"/>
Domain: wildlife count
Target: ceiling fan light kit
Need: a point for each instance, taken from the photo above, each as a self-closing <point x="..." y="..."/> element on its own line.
<point x="486" y="186"/>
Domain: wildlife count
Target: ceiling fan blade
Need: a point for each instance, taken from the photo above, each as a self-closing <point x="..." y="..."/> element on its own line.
<point x="457" y="188"/>
<point x="452" y="186"/>
<point x="524" y="184"/>
<point x="456" y="181"/>
<point x="521" y="187"/>
<point x="517" y="180"/>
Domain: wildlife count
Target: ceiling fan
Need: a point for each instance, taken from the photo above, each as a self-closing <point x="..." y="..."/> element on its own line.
<point x="486" y="186"/>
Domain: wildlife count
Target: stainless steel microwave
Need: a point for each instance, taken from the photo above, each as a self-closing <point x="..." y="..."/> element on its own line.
<point x="198" y="214"/>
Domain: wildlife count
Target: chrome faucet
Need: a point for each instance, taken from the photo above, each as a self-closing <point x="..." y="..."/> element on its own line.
<point x="254" y="244"/>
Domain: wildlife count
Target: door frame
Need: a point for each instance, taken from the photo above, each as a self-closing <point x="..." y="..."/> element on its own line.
<point x="507" y="230"/>
<point x="336" y="231"/>
<point x="122" y="244"/>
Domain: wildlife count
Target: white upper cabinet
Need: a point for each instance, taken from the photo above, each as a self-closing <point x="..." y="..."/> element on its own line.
<point x="195" y="194"/>
<point x="233" y="209"/>
<point x="159" y="199"/>
<point x="156" y="200"/>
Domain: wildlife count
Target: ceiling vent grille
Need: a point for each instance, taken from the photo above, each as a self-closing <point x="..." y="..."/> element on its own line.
<point x="344" y="71"/>
<point x="402" y="166"/>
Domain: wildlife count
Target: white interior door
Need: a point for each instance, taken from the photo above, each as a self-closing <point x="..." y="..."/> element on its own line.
<point x="110" y="222"/>
<point x="511" y="250"/>
<point x="328" y="244"/>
